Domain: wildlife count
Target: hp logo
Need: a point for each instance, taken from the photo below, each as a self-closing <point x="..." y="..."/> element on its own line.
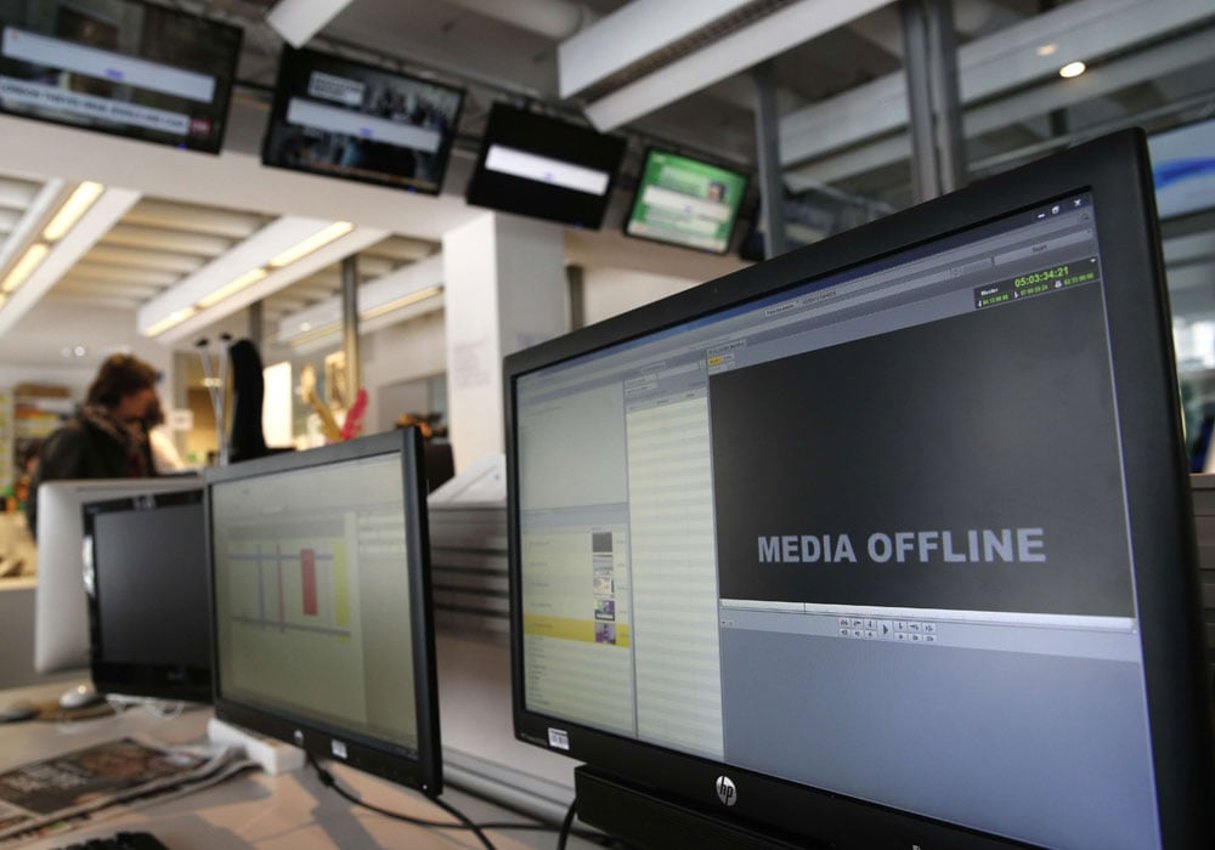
<point x="726" y="791"/>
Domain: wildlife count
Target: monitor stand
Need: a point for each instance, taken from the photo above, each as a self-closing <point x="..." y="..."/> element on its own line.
<point x="644" y="819"/>
<point x="274" y="757"/>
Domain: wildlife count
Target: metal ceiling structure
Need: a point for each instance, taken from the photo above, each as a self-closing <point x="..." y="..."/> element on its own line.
<point x="839" y="96"/>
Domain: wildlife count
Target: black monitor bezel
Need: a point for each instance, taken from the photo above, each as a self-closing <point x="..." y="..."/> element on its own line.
<point x="738" y="211"/>
<point x="278" y="112"/>
<point x="222" y="105"/>
<point x="1116" y="171"/>
<point x="155" y="681"/>
<point x="558" y="137"/>
<point x="425" y="773"/>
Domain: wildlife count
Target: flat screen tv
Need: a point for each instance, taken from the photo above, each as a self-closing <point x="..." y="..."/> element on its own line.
<point x="345" y="119"/>
<point x="321" y="601"/>
<point x="123" y="67"/>
<point x="885" y="542"/>
<point x="146" y="579"/>
<point x="545" y="168"/>
<point x="1183" y="169"/>
<point x="686" y="202"/>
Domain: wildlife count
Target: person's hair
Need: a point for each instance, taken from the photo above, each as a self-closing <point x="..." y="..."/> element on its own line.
<point x="120" y="375"/>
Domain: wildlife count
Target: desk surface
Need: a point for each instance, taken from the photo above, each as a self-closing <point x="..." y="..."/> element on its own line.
<point x="253" y="810"/>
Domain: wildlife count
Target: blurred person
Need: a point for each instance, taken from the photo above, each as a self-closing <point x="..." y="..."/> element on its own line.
<point x="165" y="457"/>
<point x="106" y="437"/>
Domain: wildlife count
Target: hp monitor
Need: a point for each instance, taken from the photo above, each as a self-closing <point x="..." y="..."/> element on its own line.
<point x="339" y="118"/>
<point x="322" y="604"/>
<point x="885" y="542"/>
<point x="146" y="579"/>
<point x="123" y="67"/>
<point x="61" y="612"/>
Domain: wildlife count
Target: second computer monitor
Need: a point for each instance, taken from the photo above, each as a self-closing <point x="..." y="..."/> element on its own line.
<point x="321" y="601"/>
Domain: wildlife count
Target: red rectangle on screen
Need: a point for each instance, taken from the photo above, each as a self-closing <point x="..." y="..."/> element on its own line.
<point x="308" y="576"/>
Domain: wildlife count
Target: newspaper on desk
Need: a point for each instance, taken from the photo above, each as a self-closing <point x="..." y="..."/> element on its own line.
<point x="53" y="791"/>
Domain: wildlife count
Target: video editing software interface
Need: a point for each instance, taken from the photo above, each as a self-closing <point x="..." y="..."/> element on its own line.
<point x="312" y="597"/>
<point x="868" y="535"/>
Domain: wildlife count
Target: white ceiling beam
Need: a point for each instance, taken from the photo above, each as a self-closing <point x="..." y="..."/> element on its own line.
<point x="769" y="36"/>
<point x="17" y="194"/>
<point x="297" y="21"/>
<point x="81" y="286"/>
<point x="106" y="211"/>
<point x="214" y="222"/>
<point x="237" y="262"/>
<point x="1008" y="59"/>
<point x="1019" y="108"/>
<point x="157" y="239"/>
<point x="164" y="261"/>
<point x="84" y="270"/>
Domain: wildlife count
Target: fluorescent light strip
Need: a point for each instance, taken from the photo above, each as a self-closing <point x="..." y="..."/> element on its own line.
<point x="75" y="206"/>
<point x="543" y="169"/>
<point x="174" y="318"/>
<point x="318" y="240"/>
<point x="244" y="281"/>
<point x="399" y="303"/>
<point x="33" y="256"/>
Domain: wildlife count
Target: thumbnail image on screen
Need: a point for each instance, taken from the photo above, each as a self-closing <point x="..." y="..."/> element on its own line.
<point x="122" y="66"/>
<point x="312" y="597"/>
<point x="344" y="119"/>
<point x="687" y="202"/>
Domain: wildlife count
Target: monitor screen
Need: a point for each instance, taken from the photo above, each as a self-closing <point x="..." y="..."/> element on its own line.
<point x="545" y="168"/>
<point x="124" y="67"/>
<point x="686" y="202"/>
<point x="322" y="605"/>
<point x="883" y="532"/>
<point x="344" y="119"/>
<point x="146" y="576"/>
<point x="61" y="613"/>
<point x="1183" y="169"/>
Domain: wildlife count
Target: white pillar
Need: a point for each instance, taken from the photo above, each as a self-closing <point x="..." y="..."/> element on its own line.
<point x="504" y="290"/>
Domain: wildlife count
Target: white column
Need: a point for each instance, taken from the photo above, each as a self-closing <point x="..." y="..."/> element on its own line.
<point x="504" y="290"/>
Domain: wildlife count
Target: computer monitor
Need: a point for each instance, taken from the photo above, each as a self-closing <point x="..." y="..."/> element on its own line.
<point x="146" y="580"/>
<point x="885" y="542"/>
<point x="544" y="167"/>
<point x="124" y="67"/>
<point x="61" y="612"/>
<point x="339" y="118"/>
<point x="321" y="600"/>
<point x="687" y="202"/>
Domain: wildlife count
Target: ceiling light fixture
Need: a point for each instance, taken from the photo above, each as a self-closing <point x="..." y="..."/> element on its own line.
<point x="29" y="261"/>
<point x="1048" y="49"/>
<point x="77" y="204"/>
<point x="232" y="287"/>
<point x="313" y="243"/>
<point x="173" y="319"/>
<point x="1072" y="69"/>
<point x="393" y="306"/>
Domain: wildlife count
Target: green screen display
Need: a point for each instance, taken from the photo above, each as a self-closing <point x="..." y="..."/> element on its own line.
<point x="686" y="202"/>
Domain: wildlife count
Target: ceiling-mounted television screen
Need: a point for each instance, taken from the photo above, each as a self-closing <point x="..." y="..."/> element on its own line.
<point x="123" y="67"/>
<point x="345" y="119"/>
<point x="686" y="202"/>
<point x="1183" y="169"/>
<point x="545" y="168"/>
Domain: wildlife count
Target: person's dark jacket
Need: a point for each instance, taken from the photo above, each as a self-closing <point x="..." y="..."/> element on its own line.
<point x="80" y="449"/>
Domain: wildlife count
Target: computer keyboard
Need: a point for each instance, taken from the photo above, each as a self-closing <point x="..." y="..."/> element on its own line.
<point x="120" y="841"/>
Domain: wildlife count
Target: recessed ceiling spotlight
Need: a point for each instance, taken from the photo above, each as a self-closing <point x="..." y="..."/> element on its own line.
<point x="1048" y="49"/>
<point x="1072" y="69"/>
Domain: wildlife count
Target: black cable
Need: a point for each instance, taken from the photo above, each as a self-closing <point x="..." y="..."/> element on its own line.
<point x="564" y="835"/>
<point x="327" y="779"/>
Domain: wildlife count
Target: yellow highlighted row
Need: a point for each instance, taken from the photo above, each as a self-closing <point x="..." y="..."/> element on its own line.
<point x="568" y="628"/>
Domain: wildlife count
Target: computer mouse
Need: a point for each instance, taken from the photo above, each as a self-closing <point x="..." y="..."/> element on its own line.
<point x="17" y="711"/>
<point x="81" y="696"/>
